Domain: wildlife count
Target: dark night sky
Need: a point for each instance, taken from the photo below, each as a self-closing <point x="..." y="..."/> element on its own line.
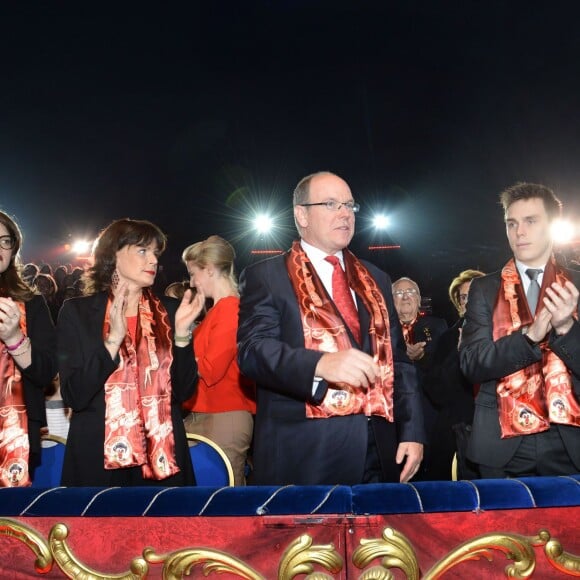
<point x="191" y="114"/>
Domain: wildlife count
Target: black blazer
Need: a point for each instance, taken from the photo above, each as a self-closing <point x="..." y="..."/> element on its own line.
<point x="85" y="365"/>
<point x="449" y="390"/>
<point x="428" y="329"/>
<point x="288" y="447"/>
<point x="485" y="361"/>
<point x="39" y="374"/>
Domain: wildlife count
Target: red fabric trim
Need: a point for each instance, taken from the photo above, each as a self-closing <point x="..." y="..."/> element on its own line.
<point x="14" y="442"/>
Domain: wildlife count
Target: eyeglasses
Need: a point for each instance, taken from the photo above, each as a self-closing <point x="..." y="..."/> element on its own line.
<point x="407" y="292"/>
<point x="333" y="205"/>
<point x="463" y="297"/>
<point x="7" y="242"/>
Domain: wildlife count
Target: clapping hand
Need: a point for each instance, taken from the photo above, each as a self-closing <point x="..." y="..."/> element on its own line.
<point x="189" y="309"/>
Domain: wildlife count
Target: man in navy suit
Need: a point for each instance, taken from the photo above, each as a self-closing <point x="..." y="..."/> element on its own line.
<point x="521" y="343"/>
<point x="337" y="399"/>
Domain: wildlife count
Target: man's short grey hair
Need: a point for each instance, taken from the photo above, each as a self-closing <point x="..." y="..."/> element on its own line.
<point x="412" y="282"/>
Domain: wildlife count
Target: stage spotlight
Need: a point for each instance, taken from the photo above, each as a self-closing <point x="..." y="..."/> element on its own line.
<point x="263" y="223"/>
<point x="381" y="221"/>
<point x="81" y="247"/>
<point x="562" y="232"/>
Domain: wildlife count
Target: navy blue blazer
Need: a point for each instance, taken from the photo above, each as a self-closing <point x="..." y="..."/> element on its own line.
<point x="288" y="447"/>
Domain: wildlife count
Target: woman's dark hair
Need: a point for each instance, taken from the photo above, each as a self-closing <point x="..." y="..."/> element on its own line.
<point x="121" y="233"/>
<point x="11" y="282"/>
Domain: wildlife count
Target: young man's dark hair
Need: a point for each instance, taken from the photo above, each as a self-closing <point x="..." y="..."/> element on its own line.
<point x="524" y="191"/>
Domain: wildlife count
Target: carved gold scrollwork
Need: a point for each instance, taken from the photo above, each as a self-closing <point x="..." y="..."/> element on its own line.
<point x="515" y="547"/>
<point x="180" y="562"/>
<point x="396" y="551"/>
<point x="563" y="561"/>
<point x="30" y="538"/>
<point x="75" y="569"/>
<point x="300" y="555"/>
<point x="393" y="548"/>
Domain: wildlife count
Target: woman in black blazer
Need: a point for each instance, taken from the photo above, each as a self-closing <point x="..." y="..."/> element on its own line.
<point x="126" y="364"/>
<point x="27" y="363"/>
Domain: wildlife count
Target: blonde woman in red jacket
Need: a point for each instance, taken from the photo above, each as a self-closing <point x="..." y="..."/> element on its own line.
<point x="224" y="404"/>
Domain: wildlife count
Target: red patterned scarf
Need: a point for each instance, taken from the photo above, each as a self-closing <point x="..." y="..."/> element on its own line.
<point x="14" y="444"/>
<point x="408" y="329"/>
<point x="138" y="425"/>
<point x="542" y="393"/>
<point x="325" y="331"/>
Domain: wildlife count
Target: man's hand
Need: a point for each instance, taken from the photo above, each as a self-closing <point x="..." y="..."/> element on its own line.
<point x="413" y="452"/>
<point x="561" y="302"/>
<point x="416" y="351"/>
<point x="541" y="326"/>
<point x="351" y="366"/>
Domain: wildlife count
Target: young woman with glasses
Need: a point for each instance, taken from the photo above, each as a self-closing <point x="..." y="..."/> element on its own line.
<point x="27" y="363"/>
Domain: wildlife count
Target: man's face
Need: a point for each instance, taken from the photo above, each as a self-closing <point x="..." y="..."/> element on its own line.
<point x="327" y="230"/>
<point x="406" y="299"/>
<point x="528" y="231"/>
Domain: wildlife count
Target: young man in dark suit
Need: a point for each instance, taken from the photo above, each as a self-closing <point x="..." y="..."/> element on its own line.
<point x="521" y="343"/>
<point x="337" y="398"/>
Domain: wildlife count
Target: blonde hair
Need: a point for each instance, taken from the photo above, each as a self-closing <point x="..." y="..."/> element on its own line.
<point x="215" y="251"/>
<point x="458" y="281"/>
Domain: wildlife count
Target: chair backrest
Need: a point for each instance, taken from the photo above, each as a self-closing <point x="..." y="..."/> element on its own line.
<point x="49" y="472"/>
<point x="211" y="465"/>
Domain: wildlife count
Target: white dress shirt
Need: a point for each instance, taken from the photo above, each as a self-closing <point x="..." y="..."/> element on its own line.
<point x="525" y="278"/>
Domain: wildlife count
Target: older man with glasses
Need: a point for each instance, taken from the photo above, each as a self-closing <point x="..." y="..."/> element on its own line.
<point x="421" y="333"/>
<point x="337" y="399"/>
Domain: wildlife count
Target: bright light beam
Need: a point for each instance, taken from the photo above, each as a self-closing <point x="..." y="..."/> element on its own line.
<point x="81" y="247"/>
<point x="381" y="221"/>
<point x="263" y="223"/>
<point x="562" y="232"/>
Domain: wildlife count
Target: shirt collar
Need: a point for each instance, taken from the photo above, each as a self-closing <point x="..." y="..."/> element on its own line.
<point x="523" y="267"/>
<point x="316" y="255"/>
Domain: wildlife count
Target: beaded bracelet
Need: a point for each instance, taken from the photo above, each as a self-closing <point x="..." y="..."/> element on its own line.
<point x="25" y="345"/>
<point x="182" y="338"/>
<point x="17" y="345"/>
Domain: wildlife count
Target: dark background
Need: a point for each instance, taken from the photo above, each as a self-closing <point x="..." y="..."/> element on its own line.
<point x="197" y="114"/>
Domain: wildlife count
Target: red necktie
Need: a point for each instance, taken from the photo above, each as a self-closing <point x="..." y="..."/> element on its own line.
<point x="342" y="297"/>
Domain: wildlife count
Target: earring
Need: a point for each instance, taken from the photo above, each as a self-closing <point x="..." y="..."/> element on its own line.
<point x="115" y="280"/>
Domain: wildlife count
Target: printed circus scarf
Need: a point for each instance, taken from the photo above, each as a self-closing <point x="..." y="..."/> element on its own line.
<point x="324" y="330"/>
<point x="542" y="393"/>
<point x="14" y="443"/>
<point x="138" y="426"/>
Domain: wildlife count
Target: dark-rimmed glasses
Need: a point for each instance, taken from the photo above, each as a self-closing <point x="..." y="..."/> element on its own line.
<point x="333" y="205"/>
<point x="7" y="242"/>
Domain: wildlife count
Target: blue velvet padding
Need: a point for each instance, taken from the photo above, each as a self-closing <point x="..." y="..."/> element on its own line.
<point x="554" y="491"/>
<point x="497" y="494"/>
<point x="392" y="498"/>
<point x="490" y="494"/>
<point x="252" y="501"/>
